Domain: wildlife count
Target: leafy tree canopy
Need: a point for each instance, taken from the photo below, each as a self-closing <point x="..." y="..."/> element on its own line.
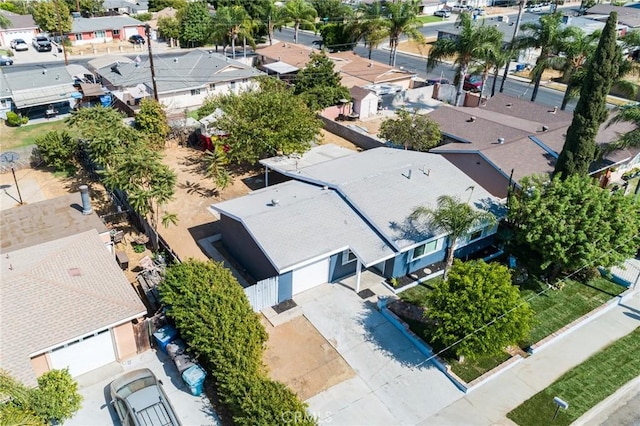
<point x="17" y="7"/>
<point x="478" y="310"/>
<point x="411" y="130"/>
<point x="156" y="5"/>
<point x="331" y="10"/>
<point x="57" y="149"/>
<point x="574" y="223"/>
<point x="319" y="84"/>
<point x="45" y="16"/>
<point x="151" y="120"/>
<point x="265" y="122"/>
<point x="169" y="27"/>
<point x="195" y="24"/>
<point x="337" y="36"/>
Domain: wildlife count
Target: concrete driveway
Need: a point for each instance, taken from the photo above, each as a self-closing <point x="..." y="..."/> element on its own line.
<point x="393" y="385"/>
<point x="94" y="387"/>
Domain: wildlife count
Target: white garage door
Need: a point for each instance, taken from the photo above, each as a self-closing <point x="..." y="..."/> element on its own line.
<point x="310" y="276"/>
<point x="88" y="354"/>
<point x="129" y="31"/>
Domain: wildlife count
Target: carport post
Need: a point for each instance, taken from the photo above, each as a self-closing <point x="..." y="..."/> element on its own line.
<point x="358" y="275"/>
<point x="266" y="176"/>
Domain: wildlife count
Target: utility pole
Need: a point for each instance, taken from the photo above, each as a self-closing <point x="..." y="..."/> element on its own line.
<point x="64" y="49"/>
<point x="521" y="5"/>
<point x="147" y="31"/>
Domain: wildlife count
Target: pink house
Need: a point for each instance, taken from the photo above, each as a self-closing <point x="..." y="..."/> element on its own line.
<point x="104" y="29"/>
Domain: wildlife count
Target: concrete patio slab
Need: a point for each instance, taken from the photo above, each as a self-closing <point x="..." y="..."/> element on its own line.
<point x="395" y="383"/>
<point x="94" y="388"/>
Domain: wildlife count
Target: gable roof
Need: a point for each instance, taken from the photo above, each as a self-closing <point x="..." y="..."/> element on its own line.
<point x="18" y="22"/>
<point x="56" y="292"/>
<point x="357" y="71"/>
<point x="627" y="15"/>
<point x="367" y="196"/>
<point x="195" y="69"/>
<point x="85" y="25"/>
<point x="292" y="54"/>
<point x="44" y="221"/>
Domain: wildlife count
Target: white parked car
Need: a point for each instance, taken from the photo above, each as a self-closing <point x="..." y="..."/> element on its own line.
<point x="19" y="45"/>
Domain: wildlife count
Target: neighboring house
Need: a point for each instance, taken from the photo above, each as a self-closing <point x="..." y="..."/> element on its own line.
<point x="124" y="7"/>
<point x="183" y="81"/>
<point x="104" y="29"/>
<point x="508" y="138"/>
<point x="590" y="25"/>
<point x="358" y="71"/>
<point x="22" y="26"/>
<point x="35" y="90"/>
<point x="627" y="15"/>
<point x="365" y="102"/>
<point x="346" y="211"/>
<point x="283" y="60"/>
<point x="64" y="301"/>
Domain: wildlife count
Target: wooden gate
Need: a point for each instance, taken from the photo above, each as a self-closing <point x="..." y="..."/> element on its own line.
<point x="263" y="294"/>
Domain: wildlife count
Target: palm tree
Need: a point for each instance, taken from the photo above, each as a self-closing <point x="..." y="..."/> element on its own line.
<point x="575" y="49"/>
<point x="472" y="44"/>
<point x="454" y="217"/>
<point x="371" y="27"/>
<point x="631" y="114"/>
<point x="402" y="18"/>
<point x="521" y="6"/>
<point x="276" y="19"/>
<point x="232" y="23"/>
<point x="499" y="59"/>
<point x="302" y="14"/>
<point x="4" y="22"/>
<point x="548" y="36"/>
<point x="488" y="54"/>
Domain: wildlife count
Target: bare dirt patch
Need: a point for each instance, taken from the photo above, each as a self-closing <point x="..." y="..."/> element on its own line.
<point x="298" y="356"/>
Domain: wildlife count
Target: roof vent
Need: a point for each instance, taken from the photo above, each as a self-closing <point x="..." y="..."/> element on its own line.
<point x="44" y="71"/>
<point x="370" y="65"/>
<point x="74" y="272"/>
<point x="471" y="119"/>
<point x="509" y="105"/>
<point x="554" y="110"/>
<point x="275" y="202"/>
<point x="175" y="59"/>
<point x="324" y="188"/>
<point x="545" y="128"/>
<point x="500" y="141"/>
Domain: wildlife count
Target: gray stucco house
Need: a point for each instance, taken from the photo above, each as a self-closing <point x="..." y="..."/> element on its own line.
<point x="346" y="211"/>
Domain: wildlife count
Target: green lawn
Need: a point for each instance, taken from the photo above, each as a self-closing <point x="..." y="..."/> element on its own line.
<point x="14" y="137"/>
<point x="585" y="385"/>
<point x="427" y="19"/>
<point x="556" y="308"/>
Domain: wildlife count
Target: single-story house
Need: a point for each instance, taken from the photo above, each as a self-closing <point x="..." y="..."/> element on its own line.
<point x="508" y="138"/>
<point x="125" y="7"/>
<point x="103" y="29"/>
<point x="21" y="26"/>
<point x="358" y="71"/>
<point x="64" y="301"/>
<point x="33" y="91"/>
<point x="628" y="16"/>
<point x="345" y="211"/>
<point x="183" y="81"/>
<point x="283" y="60"/>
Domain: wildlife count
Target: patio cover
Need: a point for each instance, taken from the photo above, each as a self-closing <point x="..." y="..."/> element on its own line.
<point x="281" y="67"/>
<point x="43" y="96"/>
<point x="90" y="89"/>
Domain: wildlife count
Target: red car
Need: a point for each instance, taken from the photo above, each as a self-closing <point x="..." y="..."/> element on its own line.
<point x="473" y="83"/>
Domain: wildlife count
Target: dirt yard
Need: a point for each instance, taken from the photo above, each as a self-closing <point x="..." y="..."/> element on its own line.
<point x="300" y="357"/>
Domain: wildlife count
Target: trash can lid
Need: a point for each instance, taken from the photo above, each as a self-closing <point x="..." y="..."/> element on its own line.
<point x="166" y="331"/>
<point x="193" y="375"/>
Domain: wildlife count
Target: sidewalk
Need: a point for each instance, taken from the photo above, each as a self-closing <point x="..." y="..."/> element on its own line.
<point x="489" y="404"/>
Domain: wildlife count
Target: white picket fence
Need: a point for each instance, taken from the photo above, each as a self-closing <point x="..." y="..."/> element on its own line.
<point x="629" y="273"/>
<point x="263" y="294"/>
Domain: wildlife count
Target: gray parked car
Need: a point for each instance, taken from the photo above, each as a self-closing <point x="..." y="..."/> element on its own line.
<point x="139" y="400"/>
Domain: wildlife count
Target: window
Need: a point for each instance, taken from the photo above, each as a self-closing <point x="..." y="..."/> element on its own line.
<point x="100" y="34"/>
<point x="195" y="92"/>
<point x="78" y="36"/>
<point x="348" y="256"/>
<point x="115" y="33"/>
<point x="424" y="249"/>
<point x="5" y="103"/>
<point x="212" y="86"/>
<point x="475" y="235"/>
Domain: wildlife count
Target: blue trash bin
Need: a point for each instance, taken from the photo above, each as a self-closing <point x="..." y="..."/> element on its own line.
<point x="194" y="378"/>
<point x="164" y="336"/>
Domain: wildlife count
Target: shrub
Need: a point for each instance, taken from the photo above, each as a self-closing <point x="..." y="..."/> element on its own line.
<point x="57" y="149"/>
<point x="24" y="120"/>
<point x="56" y="398"/>
<point x="13" y="119"/>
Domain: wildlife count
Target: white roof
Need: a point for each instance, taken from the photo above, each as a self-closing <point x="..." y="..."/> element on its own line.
<point x="281" y="67"/>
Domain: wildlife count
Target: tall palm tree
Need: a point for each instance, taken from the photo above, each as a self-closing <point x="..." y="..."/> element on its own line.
<point x="371" y="26"/>
<point x="234" y="23"/>
<point x="629" y="113"/>
<point x="521" y="6"/>
<point x="499" y="59"/>
<point x="276" y="17"/>
<point x="454" y="217"/>
<point x="489" y="52"/>
<point x="301" y="13"/>
<point x="547" y="35"/>
<point x="472" y="44"/>
<point x="402" y="18"/>
<point x="4" y="22"/>
<point x="575" y="49"/>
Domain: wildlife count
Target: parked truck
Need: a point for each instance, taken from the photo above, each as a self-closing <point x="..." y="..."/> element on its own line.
<point x="42" y="44"/>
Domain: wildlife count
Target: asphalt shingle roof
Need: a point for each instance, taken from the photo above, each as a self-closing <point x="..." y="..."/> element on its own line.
<point x="58" y="291"/>
<point x="85" y="25"/>
<point x="18" y="21"/>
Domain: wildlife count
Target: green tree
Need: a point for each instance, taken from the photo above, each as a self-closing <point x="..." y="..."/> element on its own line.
<point x="264" y="123"/>
<point x="57" y="149"/>
<point x="45" y="16"/>
<point x="56" y="398"/>
<point x="478" y="310"/>
<point x="455" y="218"/>
<point x="276" y="18"/>
<point x="402" y="18"/>
<point x="573" y="223"/>
<point x="576" y="51"/>
<point x="234" y="23"/>
<point x="474" y="44"/>
<point x="90" y="7"/>
<point x="302" y="15"/>
<point x="489" y="54"/>
<point x="338" y="36"/>
<point x="547" y="35"/>
<point x="413" y="131"/>
<point x="371" y="26"/>
<point x="10" y="414"/>
<point x="512" y="47"/>
<point x="195" y="24"/>
<point x="629" y="113"/>
<point x="4" y="21"/>
<point x="331" y="10"/>
<point x="169" y="28"/>
<point x="157" y="5"/>
<point x="13" y="7"/>
<point x="151" y="120"/>
<point x="579" y="149"/>
<point x="318" y="83"/>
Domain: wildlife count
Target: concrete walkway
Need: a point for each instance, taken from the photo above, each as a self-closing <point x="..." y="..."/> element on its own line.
<point x="489" y="404"/>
